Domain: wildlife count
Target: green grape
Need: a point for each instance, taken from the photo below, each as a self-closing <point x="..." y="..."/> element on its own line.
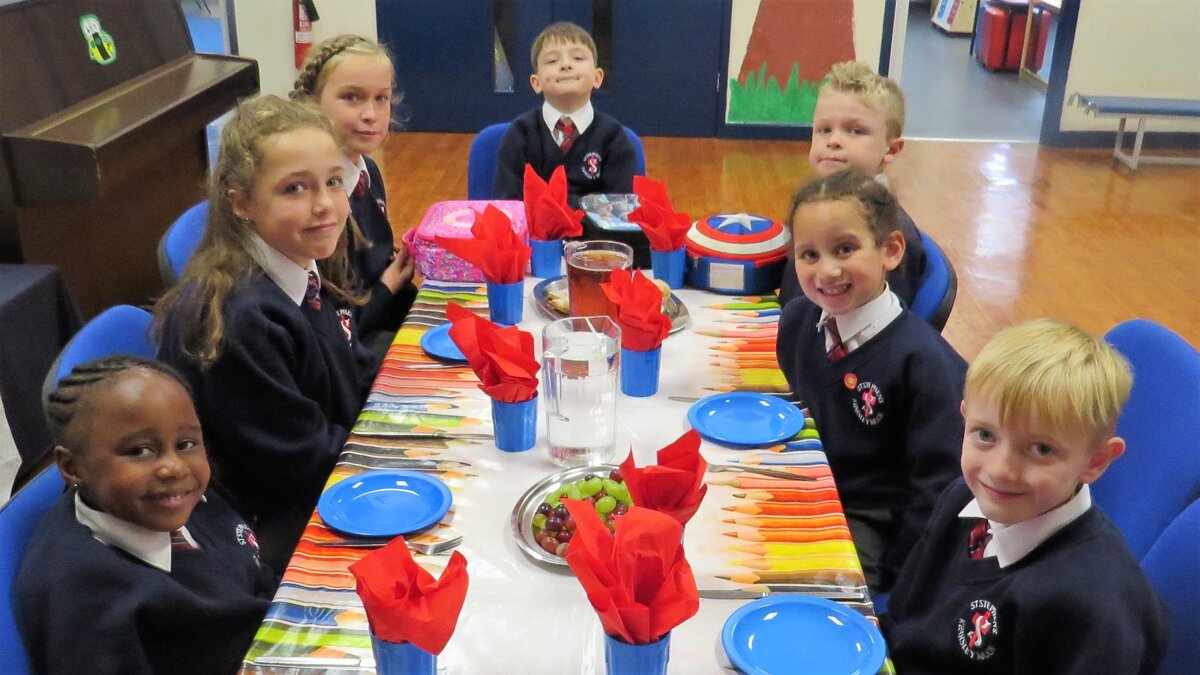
<point x="622" y="494"/>
<point x="605" y="505"/>
<point x="539" y="521"/>
<point x="809" y="433"/>
<point x="590" y="487"/>
<point x="610" y="485"/>
<point x="573" y="492"/>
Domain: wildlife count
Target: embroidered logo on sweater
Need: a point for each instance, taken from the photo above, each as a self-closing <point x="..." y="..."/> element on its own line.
<point x="382" y="206"/>
<point x="867" y="401"/>
<point x="245" y="537"/>
<point x="977" y="630"/>
<point x="591" y="165"/>
<point x="344" y="317"/>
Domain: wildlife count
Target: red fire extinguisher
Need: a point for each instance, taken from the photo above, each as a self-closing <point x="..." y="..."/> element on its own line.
<point x="304" y="12"/>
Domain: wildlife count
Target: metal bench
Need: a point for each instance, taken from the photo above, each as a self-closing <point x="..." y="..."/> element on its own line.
<point x="1126" y="107"/>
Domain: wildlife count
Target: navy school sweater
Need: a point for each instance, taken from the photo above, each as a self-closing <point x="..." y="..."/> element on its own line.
<point x="888" y="414"/>
<point x="87" y="607"/>
<point x="370" y="212"/>
<point x="277" y="405"/>
<point x="601" y="160"/>
<point x="904" y="280"/>
<point x="1077" y="604"/>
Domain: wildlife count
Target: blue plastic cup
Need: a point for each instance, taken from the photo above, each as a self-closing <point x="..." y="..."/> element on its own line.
<point x="402" y="658"/>
<point x="621" y="658"/>
<point x="506" y="302"/>
<point x="547" y="257"/>
<point x="639" y="372"/>
<point x="669" y="266"/>
<point x="515" y="424"/>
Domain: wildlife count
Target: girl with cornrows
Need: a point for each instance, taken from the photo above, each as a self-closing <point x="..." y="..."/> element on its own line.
<point x="138" y="567"/>
<point x="351" y="79"/>
<point x="265" y="336"/>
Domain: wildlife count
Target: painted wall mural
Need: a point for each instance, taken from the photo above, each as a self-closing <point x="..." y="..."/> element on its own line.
<point x="780" y="50"/>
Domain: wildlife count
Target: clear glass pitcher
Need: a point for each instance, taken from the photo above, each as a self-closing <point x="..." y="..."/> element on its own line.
<point x="589" y="264"/>
<point x="580" y="364"/>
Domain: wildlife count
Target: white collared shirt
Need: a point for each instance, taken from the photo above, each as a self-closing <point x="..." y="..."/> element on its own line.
<point x="863" y="323"/>
<point x="1011" y="543"/>
<point x="582" y="119"/>
<point x="286" y="274"/>
<point x="149" y="546"/>
<point x="351" y="172"/>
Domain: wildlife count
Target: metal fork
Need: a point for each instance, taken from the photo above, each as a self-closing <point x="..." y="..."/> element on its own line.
<point x="740" y="468"/>
<point x="427" y="549"/>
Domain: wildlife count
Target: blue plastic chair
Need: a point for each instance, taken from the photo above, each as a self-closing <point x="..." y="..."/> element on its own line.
<point x="938" y="286"/>
<point x="121" y="329"/>
<point x="18" y="519"/>
<point x="1159" y="474"/>
<point x="481" y="160"/>
<point x="178" y="243"/>
<point x="1173" y="567"/>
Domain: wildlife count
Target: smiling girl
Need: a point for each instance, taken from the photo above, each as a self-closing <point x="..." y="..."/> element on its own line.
<point x="264" y="334"/>
<point x="136" y="568"/>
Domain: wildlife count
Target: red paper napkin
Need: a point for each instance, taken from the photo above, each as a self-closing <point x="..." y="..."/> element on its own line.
<point x="502" y="358"/>
<point x="637" y="578"/>
<point x="404" y="603"/>
<point x="675" y="486"/>
<point x="643" y="324"/>
<point x="666" y="229"/>
<point x="546" y="208"/>
<point x="495" y="249"/>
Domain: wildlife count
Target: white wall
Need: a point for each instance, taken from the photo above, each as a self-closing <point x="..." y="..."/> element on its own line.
<point x="1143" y="48"/>
<point x="264" y="33"/>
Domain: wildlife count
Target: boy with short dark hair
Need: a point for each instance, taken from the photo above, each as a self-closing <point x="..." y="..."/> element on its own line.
<point x="882" y="385"/>
<point x="565" y="130"/>
<point x="858" y="123"/>
<point x="1018" y="572"/>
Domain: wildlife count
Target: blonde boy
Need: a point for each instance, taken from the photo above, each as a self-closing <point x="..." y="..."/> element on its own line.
<point x="858" y="123"/>
<point x="1018" y="572"/>
<point x="565" y="130"/>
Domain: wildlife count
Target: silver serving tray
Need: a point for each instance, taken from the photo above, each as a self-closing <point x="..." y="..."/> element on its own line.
<point x="673" y="306"/>
<point x="523" y="512"/>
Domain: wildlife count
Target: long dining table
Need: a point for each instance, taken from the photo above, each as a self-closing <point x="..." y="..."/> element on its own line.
<point x="525" y="616"/>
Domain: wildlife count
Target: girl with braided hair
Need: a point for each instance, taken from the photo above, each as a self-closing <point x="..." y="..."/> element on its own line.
<point x="351" y="79"/>
<point x="261" y="322"/>
<point x="137" y="568"/>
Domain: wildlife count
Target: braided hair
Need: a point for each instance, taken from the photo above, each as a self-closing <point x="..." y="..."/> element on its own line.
<point x="325" y="56"/>
<point x="73" y="392"/>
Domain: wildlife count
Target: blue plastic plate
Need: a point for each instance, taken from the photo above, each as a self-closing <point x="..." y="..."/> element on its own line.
<point x="745" y="418"/>
<point x="384" y="503"/>
<point x="437" y="343"/>
<point x="801" y="635"/>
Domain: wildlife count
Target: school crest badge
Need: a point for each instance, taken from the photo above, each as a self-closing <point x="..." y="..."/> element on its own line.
<point x="245" y="537"/>
<point x="101" y="47"/>
<point x="867" y="401"/>
<point x="978" y="630"/>
<point x="591" y="165"/>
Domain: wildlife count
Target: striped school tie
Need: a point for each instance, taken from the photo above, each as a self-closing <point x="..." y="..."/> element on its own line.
<point x="180" y="542"/>
<point x="977" y="542"/>
<point x="360" y="189"/>
<point x="567" y="128"/>
<point x="837" y="350"/>
<point x="312" y="294"/>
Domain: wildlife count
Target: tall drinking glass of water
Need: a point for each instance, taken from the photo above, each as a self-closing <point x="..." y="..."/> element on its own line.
<point x="589" y="264"/>
<point x="580" y="363"/>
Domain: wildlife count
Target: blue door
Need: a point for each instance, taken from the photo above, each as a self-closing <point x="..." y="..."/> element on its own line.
<point x="463" y="65"/>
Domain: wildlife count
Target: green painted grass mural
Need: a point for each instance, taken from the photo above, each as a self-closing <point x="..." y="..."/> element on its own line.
<point x="761" y="101"/>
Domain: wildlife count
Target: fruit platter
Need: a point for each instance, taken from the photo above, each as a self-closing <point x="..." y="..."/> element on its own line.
<point x="540" y="522"/>
<point x="552" y="298"/>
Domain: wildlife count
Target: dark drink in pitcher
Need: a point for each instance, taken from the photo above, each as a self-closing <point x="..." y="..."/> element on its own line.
<point x="589" y="264"/>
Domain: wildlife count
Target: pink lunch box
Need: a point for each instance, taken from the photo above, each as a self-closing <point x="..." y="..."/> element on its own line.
<point x="454" y="219"/>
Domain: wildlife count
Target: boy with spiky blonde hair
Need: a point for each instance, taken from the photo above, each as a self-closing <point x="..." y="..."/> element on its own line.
<point x="1018" y="572"/>
<point x="858" y="123"/>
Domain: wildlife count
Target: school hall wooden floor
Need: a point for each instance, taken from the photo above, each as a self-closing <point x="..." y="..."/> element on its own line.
<point x="1031" y="231"/>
